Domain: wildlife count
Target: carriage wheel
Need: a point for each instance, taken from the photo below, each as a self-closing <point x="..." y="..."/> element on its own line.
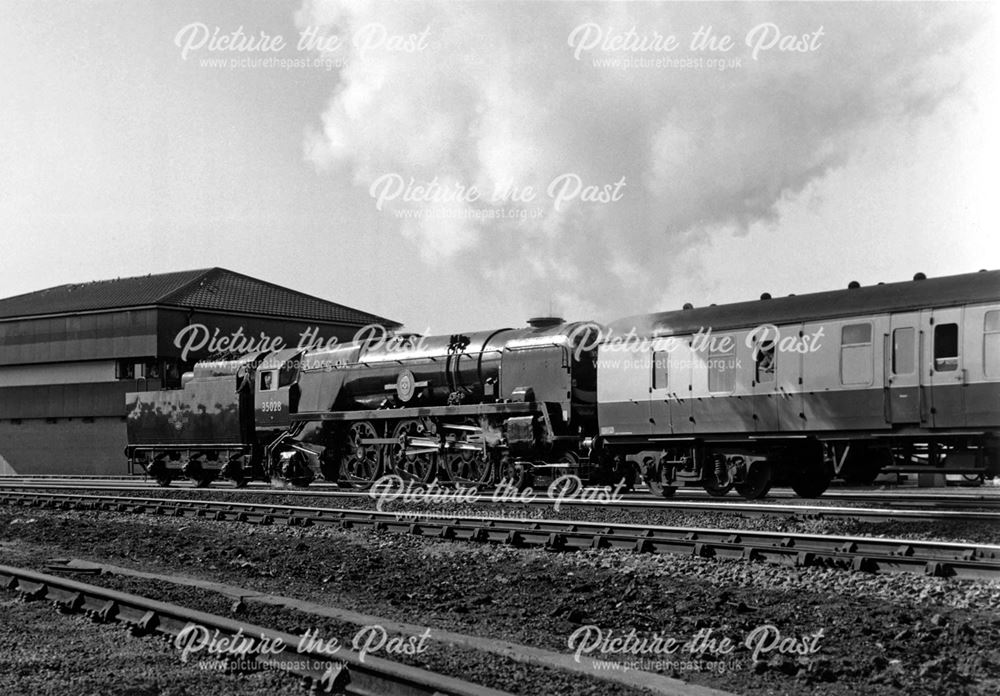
<point x="719" y="480"/>
<point x="655" y="478"/>
<point x="757" y="482"/>
<point x="812" y="479"/>
<point x="361" y="462"/>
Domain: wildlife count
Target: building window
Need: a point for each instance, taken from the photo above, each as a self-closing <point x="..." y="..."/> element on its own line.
<point x="903" y="362"/>
<point x="991" y="343"/>
<point x="765" y="362"/>
<point x="946" y="347"/>
<point x="660" y="361"/>
<point x="856" y="355"/>
<point x="722" y="365"/>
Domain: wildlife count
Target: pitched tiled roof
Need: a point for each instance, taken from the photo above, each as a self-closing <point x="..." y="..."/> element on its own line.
<point x="215" y="289"/>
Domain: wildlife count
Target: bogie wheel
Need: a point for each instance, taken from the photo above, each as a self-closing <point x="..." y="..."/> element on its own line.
<point x="517" y="474"/>
<point x="812" y="479"/>
<point x="757" y="482"/>
<point x="360" y="464"/>
<point x="655" y="480"/>
<point x="163" y="481"/>
<point x="718" y="482"/>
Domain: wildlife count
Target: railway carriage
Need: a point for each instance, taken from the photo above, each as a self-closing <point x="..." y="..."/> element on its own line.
<point x="802" y="388"/>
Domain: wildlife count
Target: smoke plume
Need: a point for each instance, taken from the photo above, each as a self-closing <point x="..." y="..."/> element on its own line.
<point x="498" y="95"/>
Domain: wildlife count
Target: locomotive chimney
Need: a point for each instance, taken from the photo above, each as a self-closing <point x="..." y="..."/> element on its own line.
<point x="545" y="322"/>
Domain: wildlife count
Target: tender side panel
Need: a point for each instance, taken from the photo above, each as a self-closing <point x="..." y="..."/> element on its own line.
<point x="205" y="411"/>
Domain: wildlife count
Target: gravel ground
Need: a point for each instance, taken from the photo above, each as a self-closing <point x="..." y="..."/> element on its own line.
<point x="974" y="532"/>
<point x="901" y="634"/>
<point x="62" y="655"/>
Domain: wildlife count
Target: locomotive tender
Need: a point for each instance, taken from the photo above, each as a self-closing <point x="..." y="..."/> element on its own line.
<point x="794" y="390"/>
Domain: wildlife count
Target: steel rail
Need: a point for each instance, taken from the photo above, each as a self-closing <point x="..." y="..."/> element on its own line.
<point x="954" y="510"/>
<point x="937" y="558"/>
<point x="343" y="672"/>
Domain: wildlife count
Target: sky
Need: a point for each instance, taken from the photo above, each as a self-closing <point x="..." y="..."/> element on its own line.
<point x="458" y="166"/>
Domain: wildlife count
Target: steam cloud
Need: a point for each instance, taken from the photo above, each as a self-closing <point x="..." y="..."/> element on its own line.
<point x="498" y="96"/>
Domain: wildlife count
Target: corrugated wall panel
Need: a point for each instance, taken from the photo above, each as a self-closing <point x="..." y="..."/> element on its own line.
<point x="70" y="400"/>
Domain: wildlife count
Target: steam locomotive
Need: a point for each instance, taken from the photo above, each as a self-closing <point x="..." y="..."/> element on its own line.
<point x="472" y="407"/>
<point x="795" y="390"/>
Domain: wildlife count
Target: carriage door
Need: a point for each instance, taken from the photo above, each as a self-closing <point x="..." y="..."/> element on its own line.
<point x="944" y="365"/>
<point x="902" y="378"/>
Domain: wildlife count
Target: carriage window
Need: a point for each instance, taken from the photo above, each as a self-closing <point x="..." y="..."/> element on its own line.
<point x="660" y="362"/>
<point x="856" y="354"/>
<point x="265" y="381"/>
<point x="722" y="365"/>
<point x="902" y="351"/>
<point x="765" y="362"/>
<point x="946" y="347"/>
<point x="991" y="344"/>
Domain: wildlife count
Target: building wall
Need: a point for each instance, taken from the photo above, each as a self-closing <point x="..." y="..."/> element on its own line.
<point x="119" y="334"/>
<point x="65" y="446"/>
<point x="57" y="373"/>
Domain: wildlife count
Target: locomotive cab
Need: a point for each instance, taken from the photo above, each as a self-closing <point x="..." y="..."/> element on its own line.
<point x="276" y="395"/>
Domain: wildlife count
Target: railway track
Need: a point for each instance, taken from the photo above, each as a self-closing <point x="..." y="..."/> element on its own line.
<point x="346" y="673"/>
<point x="921" y="507"/>
<point x="936" y="558"/>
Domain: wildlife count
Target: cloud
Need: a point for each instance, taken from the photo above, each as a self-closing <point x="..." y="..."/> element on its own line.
<point x="494" y="96"/>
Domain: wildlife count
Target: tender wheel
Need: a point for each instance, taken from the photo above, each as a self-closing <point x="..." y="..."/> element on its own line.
<point x="158" y="471"/>
<point x="757" y="482"/>
<point x="361" y="462"/>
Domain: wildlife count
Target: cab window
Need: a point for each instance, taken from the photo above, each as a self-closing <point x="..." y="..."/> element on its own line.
<point x="266" y="381"/>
